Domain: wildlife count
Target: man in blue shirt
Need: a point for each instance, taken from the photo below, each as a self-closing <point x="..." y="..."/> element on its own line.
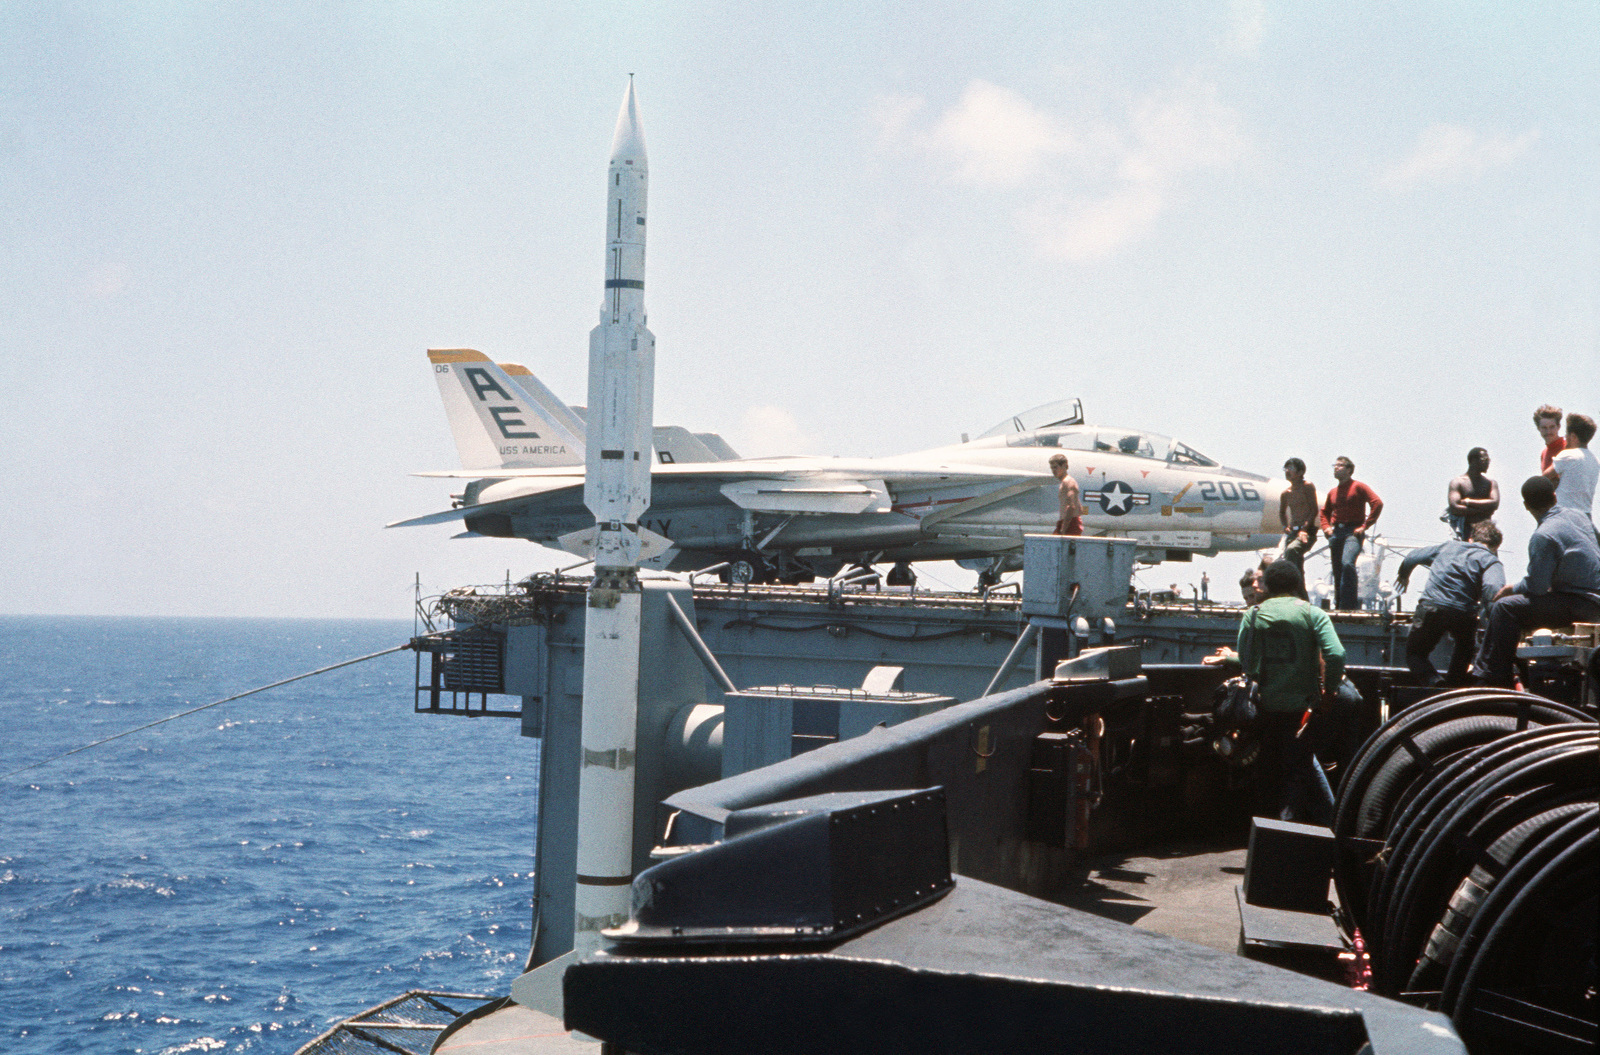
<point x="1462" y="577"/>
<point x="1562" y="585"/>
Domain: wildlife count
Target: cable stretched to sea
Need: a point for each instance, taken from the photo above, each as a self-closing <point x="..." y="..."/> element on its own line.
<point x="206" y="707"/>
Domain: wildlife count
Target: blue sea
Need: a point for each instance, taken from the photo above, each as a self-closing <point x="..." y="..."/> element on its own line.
<point x="239" y="879"/>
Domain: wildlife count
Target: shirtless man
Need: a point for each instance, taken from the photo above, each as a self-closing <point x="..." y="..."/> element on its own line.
<point x="1070" y="521"/>
<point x="1473" y="497"/>
<point x="1297" y="510"/>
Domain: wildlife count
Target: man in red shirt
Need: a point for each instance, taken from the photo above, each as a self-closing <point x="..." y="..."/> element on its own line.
<point x="1350" y="509"/>
<point x="1547" y="419"/>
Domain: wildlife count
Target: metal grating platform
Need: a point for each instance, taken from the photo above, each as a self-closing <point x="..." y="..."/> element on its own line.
<point x="409" y="1024"/>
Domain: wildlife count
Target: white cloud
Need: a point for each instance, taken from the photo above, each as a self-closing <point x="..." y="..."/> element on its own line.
<point x="1182" y="131"/>
<point x="769" y="431"/>
<point x="1450" y="154"/>
<point x="1092" y="186"/>
<point x="1086" y="231"/>
<point x="996" y="137"/>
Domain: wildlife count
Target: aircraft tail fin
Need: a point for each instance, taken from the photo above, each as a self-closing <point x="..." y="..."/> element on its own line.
<point x="717" y="446"/>
<point x="546" y="399"/>
<point x="498" y="421"/>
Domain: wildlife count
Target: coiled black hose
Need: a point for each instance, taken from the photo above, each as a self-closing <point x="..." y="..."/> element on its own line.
<point x="1487" y="714"/>
<point x="1532" y="975"/>
<point x="1443" y="791"/>
<point x="1516" y="845"/>
<point x="1468" y="832"/>
<point x="1434" y="853"/>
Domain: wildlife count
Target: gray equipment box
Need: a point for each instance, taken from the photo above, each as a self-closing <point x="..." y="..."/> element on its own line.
<point x="769" y="723"/>
<point x="1100" y="567"/>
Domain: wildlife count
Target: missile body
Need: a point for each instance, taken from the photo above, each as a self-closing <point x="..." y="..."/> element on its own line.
<point x="622" y="355"/>
<point x="617" y="490"/>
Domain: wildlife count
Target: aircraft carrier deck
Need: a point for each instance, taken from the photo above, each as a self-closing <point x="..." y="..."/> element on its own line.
<point x="949" y="643"/>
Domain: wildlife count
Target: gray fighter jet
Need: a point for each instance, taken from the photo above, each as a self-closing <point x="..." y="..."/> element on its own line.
<point x="792" y="519"/>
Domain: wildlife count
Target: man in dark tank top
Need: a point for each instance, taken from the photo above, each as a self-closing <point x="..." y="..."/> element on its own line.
<point x="1472" y="497"/>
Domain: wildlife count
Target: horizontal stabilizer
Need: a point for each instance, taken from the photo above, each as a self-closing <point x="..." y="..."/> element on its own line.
<point x="432" y="518"/>
<point x="507" y="496"/>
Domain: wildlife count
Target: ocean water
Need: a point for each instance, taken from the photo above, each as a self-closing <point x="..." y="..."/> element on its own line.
<point x="239" y="879"/>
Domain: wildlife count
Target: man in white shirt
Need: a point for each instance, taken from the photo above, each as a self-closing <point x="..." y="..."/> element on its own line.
<point x="1575" y="470"/>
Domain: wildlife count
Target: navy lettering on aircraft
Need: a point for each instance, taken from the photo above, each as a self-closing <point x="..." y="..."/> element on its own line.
<point x="481" y="383"/>
<point x="559" y="448"/>
<point x="503" y="418"/>
<point x="1117" y="498"/>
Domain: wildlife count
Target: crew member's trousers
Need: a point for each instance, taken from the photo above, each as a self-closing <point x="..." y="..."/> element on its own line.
<point x="1428" y="626"/>
<point x="1344" y="546"/>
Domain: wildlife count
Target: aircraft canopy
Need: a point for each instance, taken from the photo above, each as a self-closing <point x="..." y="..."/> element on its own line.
<point x="1061" y="412"/>
<point x="1134" y="442"/>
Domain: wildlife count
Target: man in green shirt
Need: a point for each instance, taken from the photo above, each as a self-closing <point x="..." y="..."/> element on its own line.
<point x="1289" y="648"/>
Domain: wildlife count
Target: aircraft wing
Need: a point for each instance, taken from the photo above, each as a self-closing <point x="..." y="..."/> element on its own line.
<point x="896" y="473"/>
<point x="514" y="498"/>
<point x="447" y="515"/>
<point x="1000" y="494"/>
<point x="776" y="485"/>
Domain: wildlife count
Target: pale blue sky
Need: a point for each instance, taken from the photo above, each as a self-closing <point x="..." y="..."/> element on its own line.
<point x="230" y="231"/>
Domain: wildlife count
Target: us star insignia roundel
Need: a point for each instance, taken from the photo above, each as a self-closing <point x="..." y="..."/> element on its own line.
<point x="1117" y="498"/>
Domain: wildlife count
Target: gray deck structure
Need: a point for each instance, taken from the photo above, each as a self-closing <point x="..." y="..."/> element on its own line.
<point x="948" y="643"/>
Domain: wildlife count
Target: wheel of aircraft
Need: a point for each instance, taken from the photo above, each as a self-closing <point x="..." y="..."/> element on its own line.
<point x="901" y="575"/>
<point x="746" y="568"/>
<point x="988" y="579"/>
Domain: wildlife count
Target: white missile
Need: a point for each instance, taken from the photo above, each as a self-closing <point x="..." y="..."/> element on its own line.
<point x="622" y="355"/>
<point x="617" y="491"/>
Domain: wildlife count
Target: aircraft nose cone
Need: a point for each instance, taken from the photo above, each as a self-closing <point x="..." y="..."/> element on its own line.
<point x="1270" y="524"/>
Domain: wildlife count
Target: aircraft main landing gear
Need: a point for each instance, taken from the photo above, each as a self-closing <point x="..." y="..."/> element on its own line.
<point x="745" y="568"/>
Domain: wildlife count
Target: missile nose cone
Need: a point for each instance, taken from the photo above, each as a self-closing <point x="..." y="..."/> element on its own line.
<point x="628" y="143"/>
